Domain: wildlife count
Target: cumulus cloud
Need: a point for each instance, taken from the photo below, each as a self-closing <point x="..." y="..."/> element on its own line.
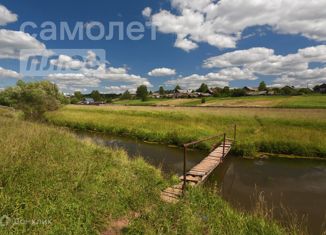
<point x="293" y="68"/>
<point x="6" y="16"/>
<point x="84" y="76"/>
<point x="220" y="79"/>
<point x="120" y="89"/>
<point x="221" y="23"/>
<point x="147" y="12"/>
<point x="17" y="44"/>
<point x="162" y="72"/>
<point x="20" y="45"/>
<point x="6" y="73"/>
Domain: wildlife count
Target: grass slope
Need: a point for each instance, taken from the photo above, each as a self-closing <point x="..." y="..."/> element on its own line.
<point x="46" y="174"/>
<point x="279" y="131"/>
<point x="73" y="187"/>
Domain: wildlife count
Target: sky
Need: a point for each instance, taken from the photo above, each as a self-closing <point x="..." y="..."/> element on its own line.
<point x="232" y="43"/>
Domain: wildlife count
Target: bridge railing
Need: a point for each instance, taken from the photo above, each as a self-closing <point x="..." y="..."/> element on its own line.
<point x="187" y="145"/>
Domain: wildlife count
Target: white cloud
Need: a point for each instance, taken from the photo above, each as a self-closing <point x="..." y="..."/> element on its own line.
<point x="6" y="16"/>
<point x="220" y="79"/>
<point x="293" y="68"/>
<point x="6" y="73"/>
<point x="303" y="78"/>
<point x="239" y="58"/>
<point x="19" y="45"/>
<point x="221" y="23"/>
<point x="120" y="89"/>
<point x="67" y="62"/>
<point x="162" y="72"/>
<point x="147" y="12"/>
<point x="185" y="44"/>
<point x="84" y="76"/>
<point x="71" y="81"/>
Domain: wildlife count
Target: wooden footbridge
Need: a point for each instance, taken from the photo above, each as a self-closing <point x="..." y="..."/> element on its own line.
<point x="200" y="172"/>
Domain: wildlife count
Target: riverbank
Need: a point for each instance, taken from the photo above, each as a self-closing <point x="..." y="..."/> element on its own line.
<point x="277" y="131"/>
<point x="70" y="186"/>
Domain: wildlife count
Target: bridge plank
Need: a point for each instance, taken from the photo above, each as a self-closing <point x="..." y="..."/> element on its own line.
<point x="198" y="173"/>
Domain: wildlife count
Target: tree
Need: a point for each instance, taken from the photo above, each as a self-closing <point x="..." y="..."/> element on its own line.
<point x="34" y="99"/>
<point x="126" y="95"/>
<point x="142" y="92"/>
<point x="161" y="91"/>
<point x="226" y="90"/>
<point x="238" y="92"/>
<point x="96" y="95"/>
<point x="203" y="88"/>
<point x="177" y="88"/>
<point x="78" y="95"/>
<point x="262" y="86"/>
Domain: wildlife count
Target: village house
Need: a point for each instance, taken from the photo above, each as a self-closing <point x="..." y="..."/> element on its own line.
<point x="182" y="93"/>
<point x="252" y="91"/>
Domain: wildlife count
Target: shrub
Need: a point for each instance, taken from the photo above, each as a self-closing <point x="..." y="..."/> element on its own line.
<point x="34" y="99"/>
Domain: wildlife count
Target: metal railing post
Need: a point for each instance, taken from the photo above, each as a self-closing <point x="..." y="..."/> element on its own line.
<point x="224" y="137"/>
<point x="235" y="132"/>
<point x="184" y="167"/>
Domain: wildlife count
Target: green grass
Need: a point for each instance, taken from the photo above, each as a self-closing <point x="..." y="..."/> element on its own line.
<point x="74" y="187"/>
<point x="280" y="131"/>
<point x="211" y="216"/>
<point x="304" y="101"/>
<point x="47" y="174"/>
<point x="139" y="102"/>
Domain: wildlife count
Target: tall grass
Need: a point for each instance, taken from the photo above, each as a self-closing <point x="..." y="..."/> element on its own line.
<point x="67" y="186"/>
<point x="46" y="174"/>
<point x="259" y="130"/>
<point x="211" y="216"/>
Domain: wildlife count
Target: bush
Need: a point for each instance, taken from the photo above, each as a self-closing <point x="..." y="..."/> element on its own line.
<point x="34" y="99"/>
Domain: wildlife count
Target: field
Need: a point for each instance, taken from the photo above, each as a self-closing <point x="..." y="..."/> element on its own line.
<point x="53" y="183"/>
<point x="281" y="131"/>
<point x="307" y="101"/>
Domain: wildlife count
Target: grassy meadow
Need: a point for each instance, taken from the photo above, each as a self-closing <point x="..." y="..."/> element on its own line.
<point x="299" y="132"/>
<point x="69" y="186"/>
<point x="304" y="101"/>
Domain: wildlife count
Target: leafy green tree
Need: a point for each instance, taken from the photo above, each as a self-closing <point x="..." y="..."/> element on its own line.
<point x="142" y="92"/>
<point x="203" y="88"/>
<point x="262" y="86"/>
<point x="96" y="95"/>
<point x="34" y="99"/>
<point x="177" y="88"/>
<point x="78" y="95"/>
<point x="226" y="91"/>
<point x="161" y="91"/>
<point x="126" y="95"/>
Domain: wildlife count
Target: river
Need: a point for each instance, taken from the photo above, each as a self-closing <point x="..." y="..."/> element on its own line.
<point x="291" y="187"/>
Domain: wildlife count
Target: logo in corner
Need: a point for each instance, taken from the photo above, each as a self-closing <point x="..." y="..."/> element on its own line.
<point x="4" y="220"/>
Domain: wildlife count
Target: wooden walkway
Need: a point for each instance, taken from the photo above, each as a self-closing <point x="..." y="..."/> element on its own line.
<point x="199" y="173"/>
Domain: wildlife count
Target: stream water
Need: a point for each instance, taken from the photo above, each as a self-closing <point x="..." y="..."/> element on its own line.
<point x="289" y="186"/>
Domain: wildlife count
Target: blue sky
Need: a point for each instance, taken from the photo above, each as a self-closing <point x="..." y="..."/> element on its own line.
<point x="188" y="34"/>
